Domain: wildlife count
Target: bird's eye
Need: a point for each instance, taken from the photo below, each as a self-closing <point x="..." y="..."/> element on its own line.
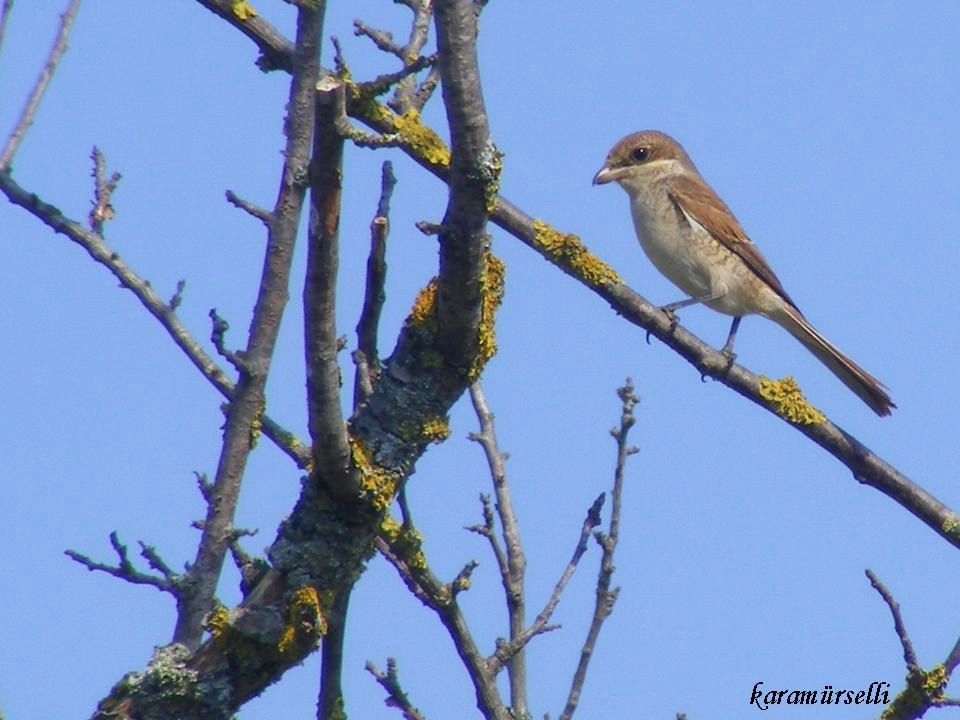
<point x="641" y="154"/>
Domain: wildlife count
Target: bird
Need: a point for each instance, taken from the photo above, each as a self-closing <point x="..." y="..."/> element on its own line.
<point x="692" y="237"/>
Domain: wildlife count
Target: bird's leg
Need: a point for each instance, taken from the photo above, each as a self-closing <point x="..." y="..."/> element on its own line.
<point x="669" y="310"/>
<point x="728" y="346"/>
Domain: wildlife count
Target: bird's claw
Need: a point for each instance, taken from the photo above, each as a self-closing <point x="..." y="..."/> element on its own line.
<point x="671" y="316"/>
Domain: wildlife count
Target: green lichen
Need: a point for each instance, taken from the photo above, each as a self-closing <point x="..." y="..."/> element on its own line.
<point x="951" y="526"/>
<point x="569" y="253"/>
<point x="788" y="402"/>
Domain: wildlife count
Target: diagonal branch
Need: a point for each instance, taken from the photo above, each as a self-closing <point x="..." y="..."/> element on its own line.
<point x="247" y="406"/>
<point x="276" y="51"/>
<point x="164" y="312"/>
<point x="33" y="101"/>
<point x="396" y="696"/>
<point x="168" y="581"/>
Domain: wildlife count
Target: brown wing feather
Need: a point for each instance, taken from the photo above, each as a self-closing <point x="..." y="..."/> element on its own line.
<point x="698" y="200"/>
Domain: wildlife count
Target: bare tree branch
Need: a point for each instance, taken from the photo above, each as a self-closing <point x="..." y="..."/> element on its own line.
<point x="570" y="255"/>
<point x="331" y="453"/>
<point x="33" y="101"/>
<point x="474" y="174"/>
<point x="541" y="623"/>
<point x="924" y="689"/>
<point x="605" y="597"/>
<point x="102" y="254"/>
<point x="400" y="546"/>
<point x="168" y="581"/>
<point x="276" y="51"/>
<point x="330" y="702"/>
<point x="512" y="561"/>
<point x="264" y="216"/>
<point x="374" y="293"/>
<point x="4" y="17"/>
<point x="909" y="656"/>
<point x="102" y="211"/>
<point x="396" y="697"/>
<point x="246" y="407"/>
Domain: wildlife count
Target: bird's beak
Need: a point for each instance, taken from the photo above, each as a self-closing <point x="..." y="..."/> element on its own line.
<point x="604" y="176"/>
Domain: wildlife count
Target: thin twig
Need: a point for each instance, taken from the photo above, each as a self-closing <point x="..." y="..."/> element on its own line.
<point x="4" y="16"/>
<point x="374" y="288"/>
<point x="396" y="697"/>
<point x="381" y="38"/>
<point x="403" y="551"/>
<point x="541" y="622"/>
<point x="261" y="214"/>
<point x="33" y="101"/>
<point x="168" y="581"/>
<point x="924" y="688"/>
<point x="909" y="656"/>
<point x="102" y="254"/>
<point x="512" y="562"/>
<point x="104" y="187"/>
<point x="605" y="596"/>
<point x="953" y="659"/>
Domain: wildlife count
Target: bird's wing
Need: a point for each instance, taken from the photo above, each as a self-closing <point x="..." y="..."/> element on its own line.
<point x="697" y="200"/>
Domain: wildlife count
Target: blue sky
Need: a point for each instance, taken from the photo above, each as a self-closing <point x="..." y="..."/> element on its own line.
<point x="829" y="129"/>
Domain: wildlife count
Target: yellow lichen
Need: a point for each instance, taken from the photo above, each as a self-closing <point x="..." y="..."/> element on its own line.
<point x="218" y="623"/>
<point x="424" y="310"/>
<point x="492" y="286"/>
<point x="951" y="525"/>
<point x="305" y="621"/>
<point x="408" y="128"/>
<point x="924" y="689"/>
<point x="935" y="680"/>
<point x="421" y="139"/>
<point x="435" y="430"/>
<point x="461" y="583"/>
<point x="377" y="484"/>
<point x="256" y="428"/>
<point x="569" y="253"/>
<point x="406" y="541"/>
<point x="243" y="10"/>
<point x="788" y="402"/>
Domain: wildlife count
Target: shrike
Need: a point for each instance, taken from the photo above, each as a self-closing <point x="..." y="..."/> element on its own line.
<point x="691" y="237"/>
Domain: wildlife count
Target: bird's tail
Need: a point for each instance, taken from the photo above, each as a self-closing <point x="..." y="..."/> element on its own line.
<point x="866" y="387"/>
